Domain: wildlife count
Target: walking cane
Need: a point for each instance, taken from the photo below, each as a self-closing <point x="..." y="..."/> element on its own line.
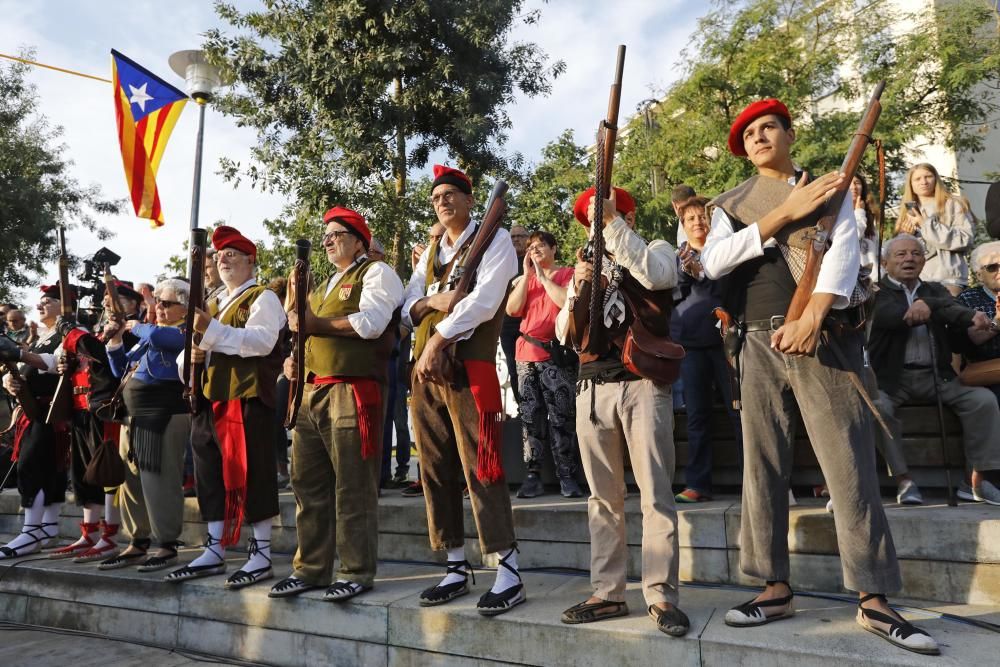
<point x="940" y="410"/>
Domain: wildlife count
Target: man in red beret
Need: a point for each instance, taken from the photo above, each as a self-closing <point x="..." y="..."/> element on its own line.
<point x="350" y="323"/>
<point x="231" y="434"/>
<point x="617" y="409"/>
<point x="758" y="236"/>
<point x="458" y="420"/>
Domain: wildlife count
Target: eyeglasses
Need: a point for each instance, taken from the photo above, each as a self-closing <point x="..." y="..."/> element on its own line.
<point x="167" y="304"/>
<point x="519" y="236"/>
<point x="992" y="268"/>
<point x="229" y="254"/>
<point x="334" y="235"/>
<point x="446" y="196"/>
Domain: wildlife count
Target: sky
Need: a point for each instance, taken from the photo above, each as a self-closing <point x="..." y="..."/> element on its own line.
<point x="79" y="36"/>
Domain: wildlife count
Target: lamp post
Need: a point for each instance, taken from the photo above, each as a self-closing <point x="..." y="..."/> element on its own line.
<point x="201" y="80"/>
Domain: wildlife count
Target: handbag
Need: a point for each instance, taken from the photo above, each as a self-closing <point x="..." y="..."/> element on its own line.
<point x="655" y="358"/>
<point x="106" y="468"/>
<point x="560" y="355"/>
<point x="981" y="373"/>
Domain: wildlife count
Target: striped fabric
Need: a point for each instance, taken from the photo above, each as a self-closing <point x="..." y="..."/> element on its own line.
<point x="146" y="109"/>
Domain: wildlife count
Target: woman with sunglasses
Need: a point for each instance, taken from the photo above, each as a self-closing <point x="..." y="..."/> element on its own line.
<point x="156" y="431"/>
<point x="985" y="298"/>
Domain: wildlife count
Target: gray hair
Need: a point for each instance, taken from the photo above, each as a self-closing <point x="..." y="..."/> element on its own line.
<point x="901" y="237"/>
<point x="376" y="246"/>
<point x="180" y="288"/>
<point x="984" y="250"/>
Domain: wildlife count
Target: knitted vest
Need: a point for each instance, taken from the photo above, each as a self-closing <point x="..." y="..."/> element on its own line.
<point x="339" y="355"/>
<point x="228" y="376"/>
<point x="482" y="345"/>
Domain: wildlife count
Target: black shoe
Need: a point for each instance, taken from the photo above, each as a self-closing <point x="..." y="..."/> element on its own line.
<point x="673" y="621"/>
<point x="494" y="604"/>
<point x="531" y="487"/>
<point x="414" y="490"/>
<point x="439" y="594"/>
<point x="569" y="488"/>
<point x="401" y="476"/>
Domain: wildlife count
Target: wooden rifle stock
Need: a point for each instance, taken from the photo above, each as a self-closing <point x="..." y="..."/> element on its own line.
<point x="496" y="209"/>
<point x="587" y="332"/>
<point x="117" y="312"/>
<point x="29" y="404"/>
<point x="830" y="210"/>
<point x="299" y="298"/>
<point x="62" y="402"/>
<point x="196" y="300"/>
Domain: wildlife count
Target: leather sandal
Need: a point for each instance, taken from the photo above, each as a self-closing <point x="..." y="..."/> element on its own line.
<point x="27" y="548"/>
<point x="198" y="571"/>
<point x="588" y="612"/>
<point x="751" y="614"/>
<point x="672" y="621"/>
<point x="157" y="563"/>
<point x="126" y="558"/>
<point x="290" y="587"/>
<point x="494" y="604"/>
<point x="77" y="548"/>
<point x="97" y="552"/>
<point x="439" y="594"/>
<point x="344" y="590"/>
<point x="902" y="633"/>
<point x="242" y="578"/>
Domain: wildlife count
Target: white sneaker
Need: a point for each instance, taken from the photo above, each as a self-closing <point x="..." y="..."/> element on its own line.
<point x="986" y="493"/>
<point x="908" y="493"/>
<point x="829" y="506"/>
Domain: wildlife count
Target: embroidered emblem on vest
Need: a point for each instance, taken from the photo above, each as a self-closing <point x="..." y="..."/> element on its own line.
<point x="345" y="291"/>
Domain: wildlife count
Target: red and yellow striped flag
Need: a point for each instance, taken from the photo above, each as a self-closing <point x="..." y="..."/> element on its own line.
<point x="146" y="108"/>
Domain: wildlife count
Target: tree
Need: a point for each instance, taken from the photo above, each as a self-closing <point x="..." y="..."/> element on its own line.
<point x="814" y="55"/>
<point x="37" y="194"/>
<point x="349" y="96"/>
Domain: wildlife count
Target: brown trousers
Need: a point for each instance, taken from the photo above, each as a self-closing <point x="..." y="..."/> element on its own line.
<point x="446" y="425"/>
<point x="336" y="491"/>
<point x="262" y="469"/>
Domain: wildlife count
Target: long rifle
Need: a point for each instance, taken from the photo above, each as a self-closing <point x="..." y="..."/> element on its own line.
<point x="830" y="210"/>
<point x="587" y="330"/>
<point x="29" y="404"/>
<point x="299" y="298"/>
<point x="117" y="312"/>
<point x="496" y="209"/>
<point x="196" y="300"/>
<point x="62" y="402"/>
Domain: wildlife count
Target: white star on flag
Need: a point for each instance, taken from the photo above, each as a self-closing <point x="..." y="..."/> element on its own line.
<point x="139" y="96"/>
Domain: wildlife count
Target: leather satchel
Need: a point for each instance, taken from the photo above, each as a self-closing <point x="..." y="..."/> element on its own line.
<point x="651" y="357"/>
<point x="106" y="468"/>
<point x="981" y="373"/>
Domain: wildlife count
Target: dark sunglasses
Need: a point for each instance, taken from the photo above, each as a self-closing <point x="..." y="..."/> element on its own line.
<point x="168" y="304"/>
<point x="992" y="268"/>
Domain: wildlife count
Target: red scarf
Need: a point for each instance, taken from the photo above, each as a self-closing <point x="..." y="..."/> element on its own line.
<point x="368" y="400"/>
<point x="233" y="446"/>
<point x="486" y="392"/>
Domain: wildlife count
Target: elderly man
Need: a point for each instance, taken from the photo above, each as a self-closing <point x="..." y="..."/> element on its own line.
<point x="985" y="345"/>
<point x="232" y="432"/>
<point x="801" y="366"/>
<point x="335" y="445"/>
<point x="456" y="396"/>
<point x="912" y="325"/>
<point x="17" y="326"/>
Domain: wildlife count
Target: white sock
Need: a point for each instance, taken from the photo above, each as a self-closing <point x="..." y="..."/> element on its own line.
<point x="506" y="578"/>
<point x="112" y="517"/>
<point x="30" y="531"/>
<point x="92" y="515"/>
<point x="261" y="533"/>
<point x="51" y="516"/>
<point x="212" y="555"/>
<point x="457" y="554"/>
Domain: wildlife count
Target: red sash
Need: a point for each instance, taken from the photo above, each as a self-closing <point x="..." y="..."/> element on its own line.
<point x="367" y="400"/>
<point x="233" y="447"/>
<point x="485" y="388"/>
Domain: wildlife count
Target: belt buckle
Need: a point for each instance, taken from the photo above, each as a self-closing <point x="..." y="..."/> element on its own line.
<point x="777" y="321"/>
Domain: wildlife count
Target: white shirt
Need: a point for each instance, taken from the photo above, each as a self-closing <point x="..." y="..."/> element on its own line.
<point x="918" y="345"/>
<point x="653" y="265"/>
<point x="725" y="250"/>
<point x="867" y="246"/>
<point x="381" y="295"/>
<point x="495" y="272"/>
<point x="258" y="337"/>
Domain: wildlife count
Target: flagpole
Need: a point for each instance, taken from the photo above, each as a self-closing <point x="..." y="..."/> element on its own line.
<point x="196" y="187"/>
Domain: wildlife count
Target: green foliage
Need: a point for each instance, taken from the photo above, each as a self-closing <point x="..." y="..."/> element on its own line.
<point x="36" y="192"/>
<point x="349" y="96"/>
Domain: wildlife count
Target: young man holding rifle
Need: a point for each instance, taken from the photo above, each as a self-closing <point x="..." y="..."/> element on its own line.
<point x="338" y="429"/>
<point x="759" y="236"/>
<point x="457" y="416"/>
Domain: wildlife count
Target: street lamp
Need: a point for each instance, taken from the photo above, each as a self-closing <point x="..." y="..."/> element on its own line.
<point x="201" y="80"/>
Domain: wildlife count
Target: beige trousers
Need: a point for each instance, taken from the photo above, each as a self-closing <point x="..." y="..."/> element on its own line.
<point x="638" y="415"/>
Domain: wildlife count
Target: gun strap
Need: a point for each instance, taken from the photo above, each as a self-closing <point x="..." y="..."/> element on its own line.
<point x="834" y="346"/>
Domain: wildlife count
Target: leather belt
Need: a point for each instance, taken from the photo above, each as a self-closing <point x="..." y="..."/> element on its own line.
<point x="916" y="367"/>
<point x="773" y="323"/>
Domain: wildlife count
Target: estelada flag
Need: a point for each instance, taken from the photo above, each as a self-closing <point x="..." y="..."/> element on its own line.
<point x="146" y="108"/>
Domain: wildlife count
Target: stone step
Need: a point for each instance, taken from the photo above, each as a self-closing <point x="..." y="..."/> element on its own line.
<point x="949" y="554"/>
<point x="388" y="627"/>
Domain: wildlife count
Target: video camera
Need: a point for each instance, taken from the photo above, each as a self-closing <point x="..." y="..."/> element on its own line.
<point x="93" y="287"/>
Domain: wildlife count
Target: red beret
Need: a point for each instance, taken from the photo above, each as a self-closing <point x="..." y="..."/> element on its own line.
<point x="352" y="220"/>
<point x="52" y="291"/>
<point x="749" y="115"/>
<point x="623" y="202"/>
<point x="230" y="237"/>
<point x="443" y="174"/>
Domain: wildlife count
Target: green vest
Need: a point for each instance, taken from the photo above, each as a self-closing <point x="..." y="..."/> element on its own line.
<point x="340" y="355"/>
<point x="482" y="345"/>
<point x="228" y="376"/>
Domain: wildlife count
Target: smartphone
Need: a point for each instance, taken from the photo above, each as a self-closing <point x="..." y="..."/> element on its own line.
<point x="912" y="206"/>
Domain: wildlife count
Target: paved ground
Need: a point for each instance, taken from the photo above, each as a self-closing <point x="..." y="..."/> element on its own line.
<point x="37" y="648"/>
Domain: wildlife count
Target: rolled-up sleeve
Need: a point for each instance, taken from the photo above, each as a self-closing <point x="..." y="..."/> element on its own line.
<point x="726" y="249"/>
<point x="415" y="288"/>
<point x="653" y="264"/>
<point x="838" y="274"/>
<point x="381" y="295"/>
